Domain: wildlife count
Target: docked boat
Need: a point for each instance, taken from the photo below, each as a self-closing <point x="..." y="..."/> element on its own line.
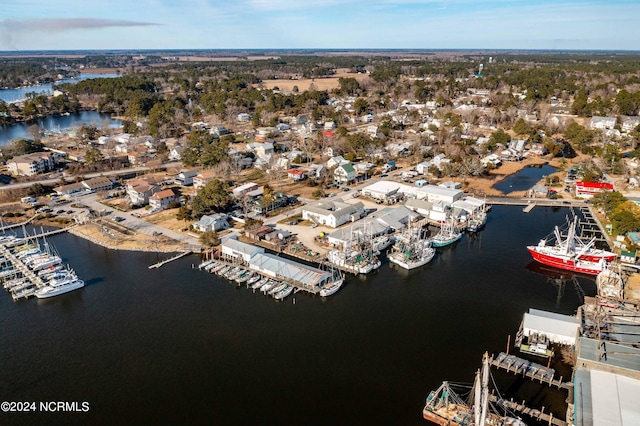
<point x="284" y="292"/>
<point x="381" y="243"/>
<point x="353" y="261"/>
<point x="331" y="288"/>
<point x="277" y="288"/>
<point x="411" y="251"/>
<point x="477" y="221"/>
<point x="59" y="286"/>
<point x="571" y="253"/>
<point x="259" y="283"/>
<point x="449" y="234"/>
<point x="447" y="406"/>
<point x="268" y="286"/>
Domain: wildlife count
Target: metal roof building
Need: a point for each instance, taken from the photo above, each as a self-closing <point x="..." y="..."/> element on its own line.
<point x="562" y="329"/>
<point x="281" y="268"/>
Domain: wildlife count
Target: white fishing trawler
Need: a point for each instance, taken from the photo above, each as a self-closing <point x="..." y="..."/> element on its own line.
<point x="411" y="250"/>
<point x="449" y="234"/>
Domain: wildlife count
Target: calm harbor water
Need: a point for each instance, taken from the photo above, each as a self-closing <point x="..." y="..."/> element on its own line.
<point x="178" y="346"/>
<point x="525" y="179"/>
<point x="58" y="123"/>
<point x="14" y="95"/>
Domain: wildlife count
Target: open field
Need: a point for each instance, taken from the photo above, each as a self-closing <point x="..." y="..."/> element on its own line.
<point x="304" y="84"/>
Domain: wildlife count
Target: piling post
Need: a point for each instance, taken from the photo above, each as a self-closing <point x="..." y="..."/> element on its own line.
<point x="508" y="343"/>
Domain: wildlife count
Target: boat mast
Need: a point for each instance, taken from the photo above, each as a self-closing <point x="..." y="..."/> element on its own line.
<point x="477" y="398"/>
<point x="485" y="389"/>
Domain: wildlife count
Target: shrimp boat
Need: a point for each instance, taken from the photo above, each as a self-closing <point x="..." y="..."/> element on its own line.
<point x="445" y="406"/>
<point x="411" y="251"/>
<point x="571" y="253"/>
<point x="448" y="234"/>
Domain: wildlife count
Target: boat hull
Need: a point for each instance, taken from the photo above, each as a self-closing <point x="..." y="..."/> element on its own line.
<point x="410" y="265"/>
<point x="444" y="243"/>
<point x="47" y="291"/>
<point x="583" y="266"/>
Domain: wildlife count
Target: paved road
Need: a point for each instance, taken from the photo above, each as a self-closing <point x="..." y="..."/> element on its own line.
<point x="137" y="224"/>
<point x="56" y="181"/>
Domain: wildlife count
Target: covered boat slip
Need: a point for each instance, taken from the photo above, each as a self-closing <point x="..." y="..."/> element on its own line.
<point x="301" y="276"/>
<point x="542" y="328"/>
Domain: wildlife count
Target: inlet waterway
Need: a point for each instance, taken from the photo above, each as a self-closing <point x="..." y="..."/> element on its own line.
<point x="179" y="346"/>
<point x="58" y="124"/>
<point x="20" y="93"/>
<point x="525" y="179"/>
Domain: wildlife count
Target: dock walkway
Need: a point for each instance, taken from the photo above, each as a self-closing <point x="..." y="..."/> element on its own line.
<point x="164" y="262"/>
<point x="515" y="365"/>
<point x="531" y="412"/>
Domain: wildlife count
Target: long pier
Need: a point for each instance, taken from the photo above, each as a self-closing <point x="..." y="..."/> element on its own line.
<point x="536" y="372"/>
<point x="164" y="262"/>
<point x="16" y="225"/>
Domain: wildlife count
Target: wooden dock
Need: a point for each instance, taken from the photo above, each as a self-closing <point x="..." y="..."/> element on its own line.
<point x="16" y="225"/>
<point x="529" y="207"/>
<point x="536" y="372"/>
<point x="531" y="412"/>
<point x="164" y="262"/>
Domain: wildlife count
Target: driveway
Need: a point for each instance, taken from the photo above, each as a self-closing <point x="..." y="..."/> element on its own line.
<point x="137" y="224"/>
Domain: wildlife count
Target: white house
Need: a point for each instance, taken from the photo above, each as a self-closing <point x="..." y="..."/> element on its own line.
<point x="202" y="179"/>
<point x="332" y="213"/>
<point x="630" y="123"/>
<point x="344" y="173"/>
<point x="336" y="161"/>
<point x="176" y="153"/>
<point x="161" y="200"/>
<point x="215" y="222"/>
<point x="602" y="123"/>
<point x="185" y="178"/>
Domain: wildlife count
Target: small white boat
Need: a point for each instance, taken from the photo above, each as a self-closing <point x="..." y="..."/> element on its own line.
<point x="258" y="284"/>
<point x="284" y="292"/>
<point x="277" y="288"/>
<point x="255" y="278"/>
<point x="331" y="288"/>
<point x="268" y="286"/>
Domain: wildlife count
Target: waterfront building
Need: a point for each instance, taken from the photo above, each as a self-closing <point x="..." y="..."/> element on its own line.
<point x="162" y="199"/>
<point x="332" y="213"/>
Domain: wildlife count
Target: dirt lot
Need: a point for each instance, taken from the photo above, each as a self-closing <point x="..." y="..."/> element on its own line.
<point x="303" y="84"/>
<point x="136" y="241"/>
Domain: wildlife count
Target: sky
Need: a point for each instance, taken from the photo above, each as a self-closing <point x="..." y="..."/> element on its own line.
<point x="319" y="24"/>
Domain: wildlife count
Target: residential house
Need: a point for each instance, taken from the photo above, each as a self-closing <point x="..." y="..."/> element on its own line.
<point x="139" y="191"/>
<point x="241" y="190"/>
<point x="262" y="150"/>
<point x="344" y="174"/>
<point x="602" y="123"/>
<point x="176" y="153"/>
<point x="296" y="175"/>
<point x="161" y="200"/>
<point x="218" y="131"/>
<point x="243" y="117"/>
<point x="629" y="124"/>
<point x="32" y="164"/>
<point x="262" y="205"/>
<point x="317" y="171"/>
<point x="332" y="213"/>
<point x="214" y="222"/>
<point x="185" y="177"/>
<point x="202" y="179"/>
<point x="336" y="161"/>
